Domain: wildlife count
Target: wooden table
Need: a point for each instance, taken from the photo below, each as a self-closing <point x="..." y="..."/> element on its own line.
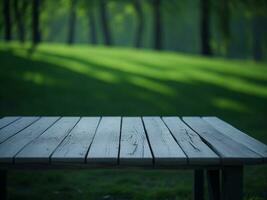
<point x="199" y="143"/>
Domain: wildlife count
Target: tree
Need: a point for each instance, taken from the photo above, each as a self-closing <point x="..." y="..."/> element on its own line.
<point x="205" y="27"/>
<point x="256" y="10"/>
<point x="72" y="22"/>
<point x="157" y="24"/>
<point x="257" y="35"/>
<point x="19" y="10"/>
<point x="224" y="15"/>
<point x="140" y="23"/>
<point x="104" y="22"/>
<point x="36" y="35"/>
<point x="92" y="25"/>
<point x="7" y="20"/>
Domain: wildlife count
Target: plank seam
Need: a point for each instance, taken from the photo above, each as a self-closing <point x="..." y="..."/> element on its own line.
<point x="187" y="158"/>
<point x="118" y="160"/>
<point x="150" y="147"/>
<point x="11" y="122"/>
<point x="206" y="142"/>
<point x="21" y="129"/>
<point x="63" y="140"/>
<point x="13" y="159"/>
<point x="262" y="156"/>
<point x="85" y="159"/>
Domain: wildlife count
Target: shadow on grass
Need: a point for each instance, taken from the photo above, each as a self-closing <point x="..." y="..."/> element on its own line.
<point x="41" y="87"/>
<point x="55" y="84"/>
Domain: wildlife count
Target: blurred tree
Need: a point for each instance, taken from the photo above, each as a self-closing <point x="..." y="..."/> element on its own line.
<point x="257" y="35"/>
<point x="19" y="10"/>
<point x="222" y="9"/>
<point x="140" y="23"/>
<point x="157" y="24"/>
<point x="205" y="27"/>
<point x="92" y="27"/>
<point x="72" y="21"/>
<point x="104" y="22"/>
<point x="257" y="12"/>
<point x="36" y="34"/>
<point x="89" y="7"/>
<point x="7" y="20"/>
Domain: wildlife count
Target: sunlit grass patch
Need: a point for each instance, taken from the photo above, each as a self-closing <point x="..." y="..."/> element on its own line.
<point x="58" y="79"/>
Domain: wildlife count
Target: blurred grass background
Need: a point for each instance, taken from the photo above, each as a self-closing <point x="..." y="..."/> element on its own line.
<point x="57" y="79"/>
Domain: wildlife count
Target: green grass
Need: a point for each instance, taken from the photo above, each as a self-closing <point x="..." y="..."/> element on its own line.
<point x="57" y="79"/>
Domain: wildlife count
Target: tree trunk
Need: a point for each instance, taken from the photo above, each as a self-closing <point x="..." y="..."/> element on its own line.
<point x="224" y="24"/>
<point x="19" y="10"/>
<point x="104" y="22"/>
<point x="140" y="24"/>
<point x="157" y="24"/>
<point x="92" y="27"/>
<point x="72" y="22"/>
<point x="257" y="48"/>
<point x="36" y="35"/>
<point x="205" y="27"/>
<point x="7" y="19"/>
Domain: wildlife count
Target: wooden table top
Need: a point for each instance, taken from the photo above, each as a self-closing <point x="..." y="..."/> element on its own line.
<point x="126" y="141"/>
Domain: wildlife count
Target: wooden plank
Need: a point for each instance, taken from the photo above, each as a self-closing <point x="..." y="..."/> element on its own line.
<point x="13" y="145"/>
<point x="195" y="149"/>
<point x="238" y="135"/>
<point x="134" y="147"/>
<point x="15" y="127"/>
<point x="105" y="146"/>
<point x="6" y="121"/>
<point x="231" y="152"/>
<point x="75" y="146"/>
<point x="40" y="149"/>
<point x="165" y="149"/>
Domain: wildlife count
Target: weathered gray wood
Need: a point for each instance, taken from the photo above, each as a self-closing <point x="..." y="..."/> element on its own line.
<point x="232" y="183"/>
<point x="15" y="127"/>
<point x="134" y="147"/>
<point x="75" y="146"/>
<point x="40" y="149"/>
<point x="165" y="149"/>
<point x="238" y="136"/>
<point x="105" y="146"/>
<point x="40" y="140"/>
<point x="6" y="121"/>
<point x="13" y="145"/>
<point x="195" y="149"/>
<point x="231" y="152"/>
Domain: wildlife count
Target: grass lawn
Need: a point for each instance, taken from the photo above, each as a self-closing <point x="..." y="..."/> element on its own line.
<point x="57" y="79"/>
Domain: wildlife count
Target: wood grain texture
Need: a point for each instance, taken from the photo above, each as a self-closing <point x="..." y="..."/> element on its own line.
<point x="238" y="136"/>
<point x="15" y="127"/>
<point x="105" y="146"/>
<point x="13" y="145"/>
<point x="165" y="149"/>
<point x="75" y="146"/>
<point x="156" y="142"/>
<point x="6" y="121"/>
<point x="231" y="152"/>
<point x="195" y="149"/>
<point x="40" y="149"/>
<point x="134" y="147"/>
